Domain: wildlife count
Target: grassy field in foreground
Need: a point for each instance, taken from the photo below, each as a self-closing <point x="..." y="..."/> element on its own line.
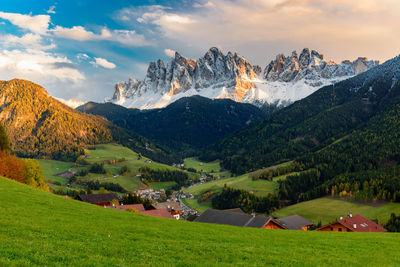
<point x="41" y="229"/>
<point x="327" y="209"/>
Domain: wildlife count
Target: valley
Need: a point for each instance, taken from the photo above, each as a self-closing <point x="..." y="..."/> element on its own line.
<point x="199" y="133"/>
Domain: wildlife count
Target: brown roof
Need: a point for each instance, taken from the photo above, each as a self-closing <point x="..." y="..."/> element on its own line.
<point x="168" y="205"/>
<point x="163" y="213"/>
<point x="238" y="210"/>
<point x="358" y="223"/>
<point x="138" y="207"/>
<point x="97" y="198"/>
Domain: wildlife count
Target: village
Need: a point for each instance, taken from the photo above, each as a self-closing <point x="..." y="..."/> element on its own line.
<point x="174" y="208"/>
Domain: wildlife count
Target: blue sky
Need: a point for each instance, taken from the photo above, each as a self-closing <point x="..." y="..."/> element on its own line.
<point x="80" y="49"/>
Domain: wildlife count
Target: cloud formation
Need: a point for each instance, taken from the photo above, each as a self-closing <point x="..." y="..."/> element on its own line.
<point x="37" y="24"/>
<point x="339" y="28"/>
<point x="102" y="62"/>
<point x="169" y="52"/>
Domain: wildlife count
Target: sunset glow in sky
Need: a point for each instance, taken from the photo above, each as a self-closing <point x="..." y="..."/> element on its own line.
<point x="80" y="49"/>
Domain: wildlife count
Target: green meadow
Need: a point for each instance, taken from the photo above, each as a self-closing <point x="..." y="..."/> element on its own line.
<point x="328" y="209"/>
<point x="42" y="229"/>
<point x="104" y="154"/>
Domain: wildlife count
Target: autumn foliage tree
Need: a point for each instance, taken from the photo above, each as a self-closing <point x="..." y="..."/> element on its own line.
<point x="26" y="171"/>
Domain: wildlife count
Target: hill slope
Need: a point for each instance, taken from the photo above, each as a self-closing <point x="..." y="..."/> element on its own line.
<point x="193" y="122"/>
<point x="315" y="122"/>
<point x="51" y="230"/>
<point x="40" y="126"/>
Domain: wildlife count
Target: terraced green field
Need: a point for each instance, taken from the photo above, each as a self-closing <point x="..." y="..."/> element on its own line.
<point x="327" y="209"/>
<point x="104" y="153"/>
<point x="42" y="229"/>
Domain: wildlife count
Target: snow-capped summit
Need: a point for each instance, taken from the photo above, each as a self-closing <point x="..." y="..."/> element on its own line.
<point x="216" y="75"/>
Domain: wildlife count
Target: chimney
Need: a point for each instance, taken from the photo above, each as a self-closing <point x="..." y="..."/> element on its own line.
<point x="354" y="226"/>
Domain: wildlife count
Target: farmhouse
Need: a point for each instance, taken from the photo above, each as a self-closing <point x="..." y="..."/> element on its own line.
<point x="239" y="219"/>
<point x="173" y="207"/>
<point x="163" y="213"/>
<point x="356" y="223"/>
<point x="295" y="222"/>
<point x="98" y="199"/>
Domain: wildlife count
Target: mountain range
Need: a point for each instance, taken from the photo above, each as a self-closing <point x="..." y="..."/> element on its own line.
<point x="216" y="75"/>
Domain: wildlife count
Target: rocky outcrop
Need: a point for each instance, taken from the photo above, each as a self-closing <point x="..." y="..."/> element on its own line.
<point x="216" y="75"/>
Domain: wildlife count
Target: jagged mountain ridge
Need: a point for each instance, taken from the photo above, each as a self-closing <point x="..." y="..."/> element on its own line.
<point x="216" y="75"/>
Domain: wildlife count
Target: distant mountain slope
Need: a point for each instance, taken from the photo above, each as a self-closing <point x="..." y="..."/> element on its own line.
<point x="40" y="126"/>
<point x="189" y="122"/>
<point x="218" y="75"/>
<point x="313" y="123"/>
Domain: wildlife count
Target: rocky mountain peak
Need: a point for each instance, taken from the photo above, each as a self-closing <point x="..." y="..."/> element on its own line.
<point x="218" y="75"/>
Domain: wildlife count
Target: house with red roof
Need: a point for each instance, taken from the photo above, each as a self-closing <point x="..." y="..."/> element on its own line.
<point x="163" y="213"/>
<point x="356" y="223"/>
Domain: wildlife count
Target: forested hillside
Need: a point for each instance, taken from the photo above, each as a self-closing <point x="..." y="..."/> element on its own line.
<point x="311" y="124"/>
<point x="185" y="125"/>
<point x="40" y="126"/>
<point x="344" y="138"/>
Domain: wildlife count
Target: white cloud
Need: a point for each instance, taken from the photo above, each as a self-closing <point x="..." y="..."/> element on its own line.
<point x="72" y="103"/>
<point x="169" y="52"/>
<point x="339" y="28"/>
<point x="82" y="57"/>
<point x="37" y="24"/>
<point x="79" y="33"/>
<point x="33" y="41"/>
<point x="37" y="66"/>
<point x="207" y="4"/>
<point x="103" y="63"/>
<point x="51" y="10"/>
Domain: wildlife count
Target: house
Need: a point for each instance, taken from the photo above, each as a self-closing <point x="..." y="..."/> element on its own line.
<point x="239" y="210"/>
<point x="173" y="207"/>
<point x="356" y="223"/>
<point x="238" y="219"/>
<point x="295" y="222"/>
<point x="163" y="213"/>
<point x="138" y="207"/>
<point x="98" y="199"/>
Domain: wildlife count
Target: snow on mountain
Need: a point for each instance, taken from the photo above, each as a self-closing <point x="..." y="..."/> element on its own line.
<point x="215" y="75"/>
<point x="72" y="103"/>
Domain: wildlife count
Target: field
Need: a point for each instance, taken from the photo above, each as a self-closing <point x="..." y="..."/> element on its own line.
<point x="105" y="153"/>
<point x="327" y="210"/>
<point x="41" y="229"/>
<point x="258" y="187"/>
<point x="244" y="182"/>
<point x="200" y="166"/>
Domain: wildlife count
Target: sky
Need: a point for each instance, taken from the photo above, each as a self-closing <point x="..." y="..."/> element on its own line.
<point x="80" y="49"/>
